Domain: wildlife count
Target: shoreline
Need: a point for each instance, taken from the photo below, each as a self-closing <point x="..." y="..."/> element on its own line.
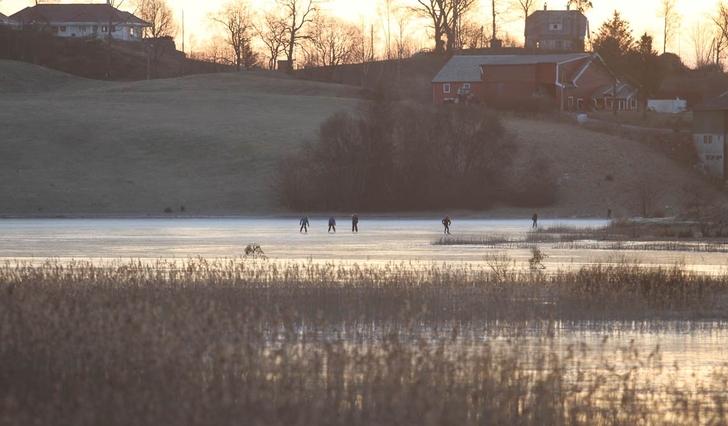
<point x="498" y="214"/>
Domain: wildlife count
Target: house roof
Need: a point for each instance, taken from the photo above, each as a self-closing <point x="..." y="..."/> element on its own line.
<point x="91" y="13"/>
<point x="554" y="12"/>
<point x="624" y="90"/>
<point x="719" y="103"/>
<point x="467" y="68"/>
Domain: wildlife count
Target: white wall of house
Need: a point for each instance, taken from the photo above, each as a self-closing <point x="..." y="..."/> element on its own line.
<point x="126" y="32"/>
<point x="711" y="151"/>
<point x="669" y="106"/>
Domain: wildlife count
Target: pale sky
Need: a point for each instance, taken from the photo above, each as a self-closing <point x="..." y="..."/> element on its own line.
<point x="643" y="15"/>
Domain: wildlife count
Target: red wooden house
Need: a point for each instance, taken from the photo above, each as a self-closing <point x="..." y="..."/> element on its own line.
<point x="571" y="81"/>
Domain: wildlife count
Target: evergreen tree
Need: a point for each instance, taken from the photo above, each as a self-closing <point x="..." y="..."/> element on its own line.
<point x="635" y="62"/>
<point x="614" y="41"/>
<point x="643" y="68"/>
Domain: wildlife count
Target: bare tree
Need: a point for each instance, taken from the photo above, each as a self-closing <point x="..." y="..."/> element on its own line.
<point x="158" y="15"/>
<point x="214" y="50"/>
<point x="702" y="38"/>
<point x="330" y="42"/>
<point x="235" y="19"/>
<point x="525" y="7"/>
<point x="474" y="36"/>
<point x="721" y="23"/>
<point x="273" y="33"/>
<point x="580" y="5"/>
<point x="161" y="24"/>
<point x="402" y="41"/>
<point x="446" y="17"/>
<point x="363" y="45"/>
<point x="718" y="49"/>
<point x="298" y="14"/>
<point x="432" y="10"/>
<point x="387" y="7"/>
<point x="670" y="21"/>
<point x="459" y="13"/>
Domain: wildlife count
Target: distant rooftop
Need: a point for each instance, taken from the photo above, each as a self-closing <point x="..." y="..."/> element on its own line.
<point x="466" y="68"/>
<point x="716" y="104"/>
<point x="80" y="13"/>
<point x="556" y="12"/>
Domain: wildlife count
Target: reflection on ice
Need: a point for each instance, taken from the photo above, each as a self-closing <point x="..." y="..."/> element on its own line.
<point x="379" y="240"/>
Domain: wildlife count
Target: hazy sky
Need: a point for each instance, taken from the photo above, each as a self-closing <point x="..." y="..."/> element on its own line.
<point x="642" y="14"/>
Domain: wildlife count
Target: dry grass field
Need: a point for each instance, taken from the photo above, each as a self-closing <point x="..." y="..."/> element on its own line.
<point x="236" y="340"/>
<point x="210" y="143"/>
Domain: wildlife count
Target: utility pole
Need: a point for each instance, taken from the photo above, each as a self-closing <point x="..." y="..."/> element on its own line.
<point x="495" y="31"/>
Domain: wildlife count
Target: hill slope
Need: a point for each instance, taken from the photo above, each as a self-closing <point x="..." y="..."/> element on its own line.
<point x="207" y="142"/>
<point x="211" y="143"/>
<point x="596" y="171"/>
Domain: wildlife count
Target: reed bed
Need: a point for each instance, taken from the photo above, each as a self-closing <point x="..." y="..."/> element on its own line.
<point x="618" y="235"/>
<point x="254" y="342"/>
<point x="673" y="246"/>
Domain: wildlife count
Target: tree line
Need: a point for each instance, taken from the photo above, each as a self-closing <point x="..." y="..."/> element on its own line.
<point x="300" y="32"/>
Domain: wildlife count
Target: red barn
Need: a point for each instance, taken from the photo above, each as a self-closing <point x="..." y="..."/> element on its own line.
<point x="571" y="81"/>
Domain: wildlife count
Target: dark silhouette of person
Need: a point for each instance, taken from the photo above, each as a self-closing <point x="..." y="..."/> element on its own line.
<point x="332" y="224"/>
<point x="535" y="221"/>
<point x="446" y="222"/>
<point x="304" y="224"/>
<point x="609" y="213"/>
<point x="355" y="223"/>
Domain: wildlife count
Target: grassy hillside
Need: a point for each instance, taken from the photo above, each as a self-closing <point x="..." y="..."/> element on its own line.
<point x="212" y="142"/>
<point x="207" y="142"/>
<point x="596" y="171"/>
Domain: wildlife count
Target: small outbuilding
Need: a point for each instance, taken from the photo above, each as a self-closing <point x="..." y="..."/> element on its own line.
<point x="667" y="106"/>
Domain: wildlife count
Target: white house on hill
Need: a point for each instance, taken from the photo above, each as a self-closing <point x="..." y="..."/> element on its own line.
<point x="82" y="20"/>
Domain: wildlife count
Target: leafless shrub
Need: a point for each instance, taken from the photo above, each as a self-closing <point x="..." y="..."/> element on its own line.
<point x="537" y="258"/>
<point x="403" y="157"/>
<point x="254" y="251"/>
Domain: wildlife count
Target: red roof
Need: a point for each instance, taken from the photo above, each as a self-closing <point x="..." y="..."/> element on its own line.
<point x="91" y="13"/>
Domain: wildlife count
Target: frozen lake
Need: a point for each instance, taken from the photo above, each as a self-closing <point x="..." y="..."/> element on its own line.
<point x="379" y="240"/>
<point x="699" y="348"/>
